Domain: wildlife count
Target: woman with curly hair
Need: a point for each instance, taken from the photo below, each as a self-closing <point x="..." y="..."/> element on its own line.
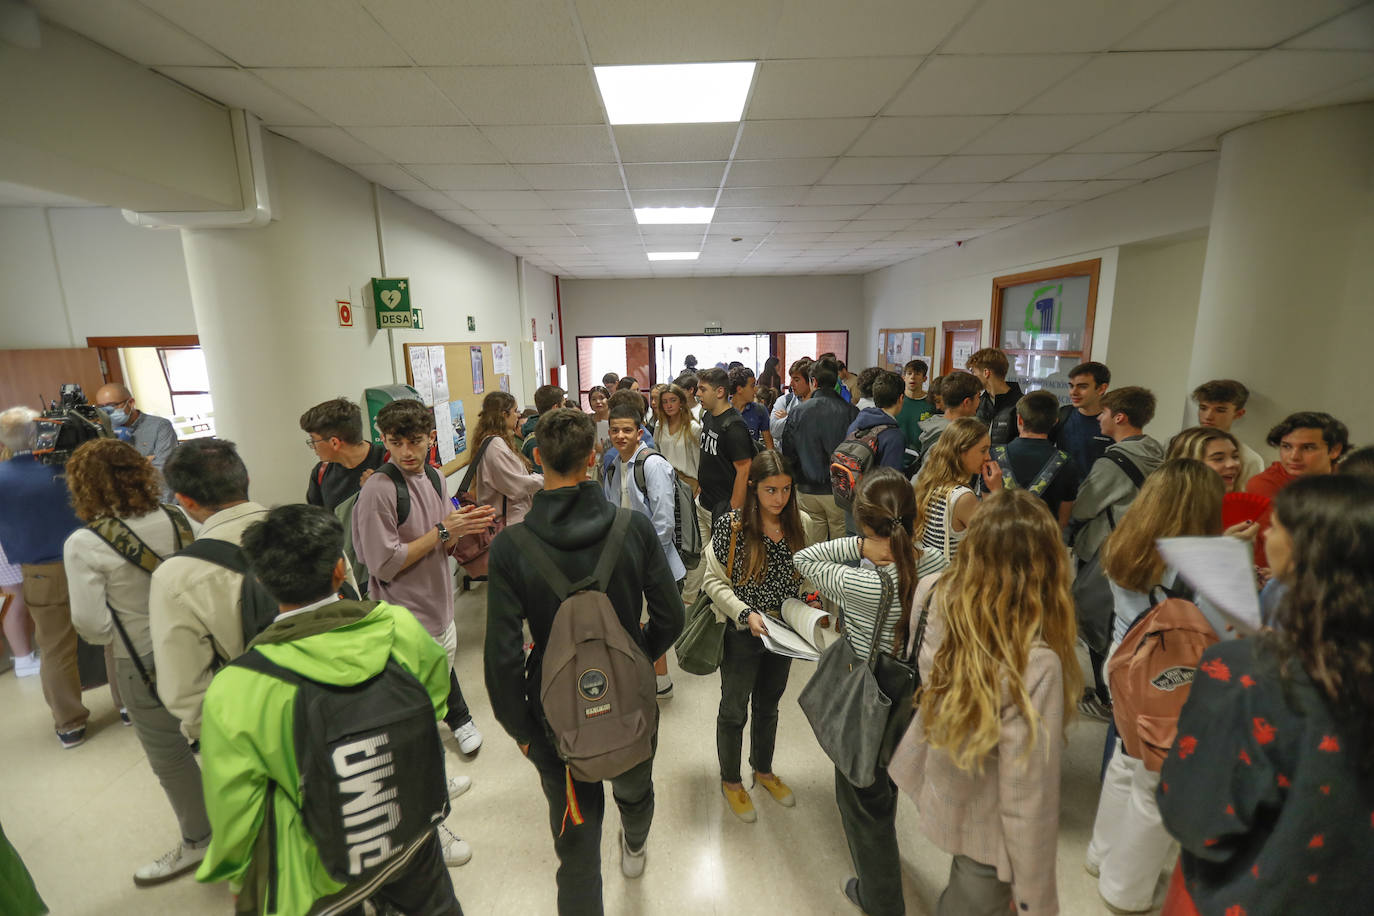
<point x="981" y="758"/>
<point x="109" y="564"/>
<point x="1214" y="447"/>
<point x="1269" y="786"/>
<point x="945" y="501"/>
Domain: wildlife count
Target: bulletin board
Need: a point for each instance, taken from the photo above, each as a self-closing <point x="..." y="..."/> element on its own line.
<point x="469" y="372"/>
<point x="897" y="346"/>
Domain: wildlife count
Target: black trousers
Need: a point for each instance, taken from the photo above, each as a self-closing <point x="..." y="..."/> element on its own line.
<point x="752" y="679"/>
<point x="458" y="712"/>
<point x="423" y="888"/>
<point x="869" y="816"/>
<point x="579" y="846"/>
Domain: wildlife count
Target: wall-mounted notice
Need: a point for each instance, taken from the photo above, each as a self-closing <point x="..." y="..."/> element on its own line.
<point x="443" y="423"/>
<point x="500" y="358"/>
<point x="438" y="369"/>
<point x="460" y="426"/>
<point x="479" y="385"/>
<point x="419" y="371"/>
<point x="391" y="299"/>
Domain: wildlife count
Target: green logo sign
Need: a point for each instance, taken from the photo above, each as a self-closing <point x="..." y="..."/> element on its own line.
<point x="391" y="297"/>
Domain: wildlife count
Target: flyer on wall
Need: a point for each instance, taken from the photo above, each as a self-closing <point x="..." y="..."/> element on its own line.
<point x="479" y="385"/>
<point x="443" y="422"/>
<point x="500" y="358"/>
<point x="420" y="373"/>
<point x="460" y="428"/>
<point x="438" y="367"/>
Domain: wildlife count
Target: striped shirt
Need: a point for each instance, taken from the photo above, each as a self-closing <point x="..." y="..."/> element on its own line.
<point x="858" y="589"/>
<point x="939" y="520"/>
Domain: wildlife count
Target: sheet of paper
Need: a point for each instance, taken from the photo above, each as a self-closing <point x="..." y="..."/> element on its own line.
<point x="443" y="422"/>
<point x="1221" y="569"/>
<point x="479" y="384"/>
<point x="500" y="358"/>
<point x="438" y="369"/>
<point x="419" y="371"/>
<point x="812" y="624"/>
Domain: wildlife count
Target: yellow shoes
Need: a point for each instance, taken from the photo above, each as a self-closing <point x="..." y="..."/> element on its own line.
<point x="778" y="789"/>
<point x="740" y="805"/>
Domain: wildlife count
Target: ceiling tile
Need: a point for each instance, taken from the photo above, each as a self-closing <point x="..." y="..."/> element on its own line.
<point x="756" y="229"/>
<point x="1072" y="166"/>
<point x="1087" y="190"/>
<point x="1163" y="164"/>
<point x="430" y="200"/>
<point x="606" y="232"/>
<point x="752" y="214"/>
<point x="131" y="29"/>
<point x="241" y="89"/>
<point x="391" y="176"/>
<point x="763" y="173"/>
<point x="1354" y="31"/>
<point x="372" y="96"/>
<point x="851" y="170"/>
<point x="608" y="217"/>
<point x="761" y="197"/>
<point x="799" y="139"/>
<point x="849" y="194"/>
<point x="1013" y="26"/>
<point x="673" y="198"/>
<point x="521" y="217"/>
<point x="334" y="143"/>
<point x="903" y="211"/>
<point x="1041" y="207"/>
<point x="1359" y="91"/>
<point x="675" y="142"/>
<point x="823" y="212"/>
<point x="464" y="217"/>
<point x="429" y="144"/>
<point x="827" y="88"/>
<point x="808" y="226"/>
<point x="552" y="143"/>
<point x="979" y="208"/>
<point x="1022" y="190"/>
<point x="670" y="175"/>
<point x="879" y="227"/>
<point x="1041" y="133"/>
<point x="667" y="31"/>
<point x="1232" y="23"/>
<point x="933" y="136"/>
<point x="590" y="200"/>
<point x="539" y="230"/>
<point x="459" y="32"/>
<point x="1133" y="81"/>
<point x="264" y="33"/>
<point x="521" y="95"/>
<point x="471" y="177"/>
<point x="937" y="193"/>
<point x="823" y="28"/>
<point x="500" y="200"/>
<point x="981" y="168"/>
<point x="1274" y="79"/>
<point x="1156" y="131"/>
<point x="981" y="84"/>
<point x="572" y="177"/>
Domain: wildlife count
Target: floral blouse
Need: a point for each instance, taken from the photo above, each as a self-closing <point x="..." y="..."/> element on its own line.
<point x="780" y="578"/>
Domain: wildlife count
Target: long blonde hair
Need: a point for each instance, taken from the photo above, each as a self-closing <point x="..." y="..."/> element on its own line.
<point x="1192" y="443"/>
<point x="1007" y="588"/>
<point x="1180" y="499"/>
<point x="943" y="468"/>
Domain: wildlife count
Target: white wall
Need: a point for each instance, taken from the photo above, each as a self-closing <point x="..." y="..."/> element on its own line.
<point x="685" y="306"/>
<point x="540" y="305"/>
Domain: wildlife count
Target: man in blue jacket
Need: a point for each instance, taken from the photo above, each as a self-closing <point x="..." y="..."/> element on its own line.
<point x="891" y="442"/>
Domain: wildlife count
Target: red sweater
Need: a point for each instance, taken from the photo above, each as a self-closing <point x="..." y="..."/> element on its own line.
<point x="1270" y="481"/>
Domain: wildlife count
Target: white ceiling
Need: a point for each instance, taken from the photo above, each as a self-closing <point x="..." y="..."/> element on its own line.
<point x="875" y="130"/>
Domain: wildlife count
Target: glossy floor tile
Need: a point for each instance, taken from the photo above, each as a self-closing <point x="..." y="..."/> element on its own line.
<point x="84" y="819"/>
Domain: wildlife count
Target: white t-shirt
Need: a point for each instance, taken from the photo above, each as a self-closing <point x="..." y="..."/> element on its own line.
<point x="683" y="450"/>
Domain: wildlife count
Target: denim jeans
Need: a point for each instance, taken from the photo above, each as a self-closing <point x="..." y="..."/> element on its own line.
<point x="748" y="672"/>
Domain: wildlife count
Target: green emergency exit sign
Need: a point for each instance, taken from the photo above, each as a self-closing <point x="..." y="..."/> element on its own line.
<point x="391" y="296"/>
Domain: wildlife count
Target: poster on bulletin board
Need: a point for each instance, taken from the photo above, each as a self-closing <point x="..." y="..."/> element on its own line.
<point x="456" y="376"/>
<point x="479" y="385"/>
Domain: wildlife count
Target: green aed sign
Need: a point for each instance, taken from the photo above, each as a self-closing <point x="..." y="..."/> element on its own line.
<point x="391" y="296"/>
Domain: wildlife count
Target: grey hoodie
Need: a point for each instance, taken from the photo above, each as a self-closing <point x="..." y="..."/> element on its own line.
<point x="1108" y="487"/>
<point x="931" y="427"/>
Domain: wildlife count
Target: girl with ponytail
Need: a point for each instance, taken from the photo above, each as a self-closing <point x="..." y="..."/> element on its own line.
<point x="885" y="513"/>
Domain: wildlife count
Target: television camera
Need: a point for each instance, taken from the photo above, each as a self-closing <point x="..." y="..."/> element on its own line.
<point x="67" y="423"/>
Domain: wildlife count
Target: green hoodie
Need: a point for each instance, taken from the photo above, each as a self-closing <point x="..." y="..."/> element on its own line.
<point x="247" y="743"/>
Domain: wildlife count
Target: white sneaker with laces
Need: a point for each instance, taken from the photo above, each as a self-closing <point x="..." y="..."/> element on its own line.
<point x="663" y="685"/>
<point x="469" y="738"/>
<point x="457" y="785"/>
<point x="456" y="849"/>
<point x="631" y="863"/>
<point x="177" y="861"/>
<point x="27" y="665"/>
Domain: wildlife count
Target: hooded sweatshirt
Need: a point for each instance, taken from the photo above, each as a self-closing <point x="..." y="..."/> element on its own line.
<point x="248" y="743"/>
<point x="1108" y="488"/>
<point x="891" y="442"/>
<point x="573" y="522"/>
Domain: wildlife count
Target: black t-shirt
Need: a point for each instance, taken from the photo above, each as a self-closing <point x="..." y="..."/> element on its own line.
<point x="724" y="440"/>
<point x="337" y="482"/>
<point x="1082" y="438"/>
<point x="1028" y="456"/>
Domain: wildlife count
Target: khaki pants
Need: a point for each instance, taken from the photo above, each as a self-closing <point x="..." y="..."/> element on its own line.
<point x="45" y="592"/>
<point x="822" y="517"/>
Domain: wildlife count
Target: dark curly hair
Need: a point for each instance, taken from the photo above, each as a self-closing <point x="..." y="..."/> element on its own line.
<point x="109" y="478"/>
<point x="1326" y="618"/>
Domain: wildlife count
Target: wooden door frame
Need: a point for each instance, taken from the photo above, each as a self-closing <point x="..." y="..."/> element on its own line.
<point x="109" y="348"/>
<point x="1091" y="269"/>
<point x="947" y="344"/>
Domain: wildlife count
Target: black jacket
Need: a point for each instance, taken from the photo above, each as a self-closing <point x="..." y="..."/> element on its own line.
<point x="999" y="413"/>
<point x="574" y="522"/>
<point x="814" y="428"/>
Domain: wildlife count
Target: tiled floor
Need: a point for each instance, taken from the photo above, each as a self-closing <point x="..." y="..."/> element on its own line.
<point x="84" y="819"/>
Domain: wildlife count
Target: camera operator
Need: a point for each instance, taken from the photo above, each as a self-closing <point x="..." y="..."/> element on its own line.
<point x="35" y="518"/>
<point x="154" y="437"/>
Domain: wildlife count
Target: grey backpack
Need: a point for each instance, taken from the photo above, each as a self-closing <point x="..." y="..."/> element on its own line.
<point x="598" y="688"/>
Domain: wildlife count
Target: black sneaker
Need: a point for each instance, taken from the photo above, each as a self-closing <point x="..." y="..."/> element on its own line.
<point x="851" y="892"/>
<point x="72" y="738"/>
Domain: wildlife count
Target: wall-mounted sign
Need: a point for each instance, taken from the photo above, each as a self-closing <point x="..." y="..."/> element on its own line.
<point x="713" y="328"/>
<point x="419" y="315"/>
<point x="391" y="297"/>
<point x="345" y="313"/>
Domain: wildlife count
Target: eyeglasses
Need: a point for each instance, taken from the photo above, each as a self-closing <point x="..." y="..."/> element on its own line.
<point x="311" y="443"/>
<point x="113" y="404"/>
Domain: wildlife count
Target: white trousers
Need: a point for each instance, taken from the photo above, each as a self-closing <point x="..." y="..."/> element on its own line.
<point x="449" y="640"/>
<point x="1130" y="846"/>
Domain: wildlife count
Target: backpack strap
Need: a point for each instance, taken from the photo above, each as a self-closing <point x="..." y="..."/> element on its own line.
<point x="183" y="527"/>
<point x="640" y="480"/>
<point x="999" y="454"/>
<point x="610" y="553"/>
<point x="254" y="660"/>
<point x="466" y="485"/>
<point x="537" y="552"/>
<point x="1128" y="467"/>
<point x="221" y="553"/>
<point x="1042" y="481"/>
<point x="394" y="473"/>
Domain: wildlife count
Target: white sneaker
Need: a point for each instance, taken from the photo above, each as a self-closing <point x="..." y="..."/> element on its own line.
<point x="182" y="858"/>
<point x="457" y="785"/>
<point x="469" y="738"/>
<point x="27" y="665"/>
<point x="664" y="686"/>
<point x="456" y="849"/>
<point x="631" y="863"/>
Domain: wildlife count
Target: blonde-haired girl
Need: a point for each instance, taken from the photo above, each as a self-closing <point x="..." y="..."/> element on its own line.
<point x="944" y="501"/>
<point x="1216" y="448"/>
<point x="981" y="759"/>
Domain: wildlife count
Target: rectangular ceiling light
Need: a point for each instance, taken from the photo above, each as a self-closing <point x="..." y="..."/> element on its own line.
<point x="674" y="255"/>
<point x="659" y="216"/>
<point x="675" y="93"/>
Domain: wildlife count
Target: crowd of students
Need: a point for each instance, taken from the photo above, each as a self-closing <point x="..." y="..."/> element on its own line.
<point x="989" y="531"/>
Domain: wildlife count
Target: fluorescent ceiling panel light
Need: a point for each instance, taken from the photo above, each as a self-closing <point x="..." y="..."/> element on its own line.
<point x="657" y="216"/>
<point x="674" y="255"/>
<point x="675" y="93"/>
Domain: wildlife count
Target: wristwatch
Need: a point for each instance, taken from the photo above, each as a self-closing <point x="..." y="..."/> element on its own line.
<point x="443" y="532"/>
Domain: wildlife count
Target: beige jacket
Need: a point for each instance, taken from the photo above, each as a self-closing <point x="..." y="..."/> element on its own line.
<point x="716" y="584"/>
<point x="195" y="619"/>
<point x="1007" y="815"/>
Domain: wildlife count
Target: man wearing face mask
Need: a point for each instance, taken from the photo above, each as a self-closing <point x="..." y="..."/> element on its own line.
<point x="153" y="436"/>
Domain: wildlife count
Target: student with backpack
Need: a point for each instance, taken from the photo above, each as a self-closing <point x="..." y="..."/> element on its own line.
<point x="546" y="398"/>
<point x="109" y="563"/>
<point x="324" y="772"/>
<point x="873" y="440"/>
<point x="346" y="459"/>
<point x="1031" y="462"/>
<point x="726" y="447"/>
<point x="997" y="403"/>
<point x="959" y="392"/>
<point x="812" y="432"/>
<point x="591" y="562"/>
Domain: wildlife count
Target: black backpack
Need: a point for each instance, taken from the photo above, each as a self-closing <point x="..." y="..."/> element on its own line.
<point x="371" y="765"/>
<point x="686" y="530"/>
<point x="402" y="492"/>
<point x="256" y="606"/>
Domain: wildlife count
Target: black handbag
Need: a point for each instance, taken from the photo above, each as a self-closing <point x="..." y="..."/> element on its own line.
<point x="899" y="679"/>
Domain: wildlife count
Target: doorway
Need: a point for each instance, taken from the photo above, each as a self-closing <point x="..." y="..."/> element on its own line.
<point x="167" y="377"/>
